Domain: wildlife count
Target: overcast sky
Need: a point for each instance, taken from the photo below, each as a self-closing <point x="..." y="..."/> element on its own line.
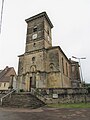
<point x="71" y="20"/>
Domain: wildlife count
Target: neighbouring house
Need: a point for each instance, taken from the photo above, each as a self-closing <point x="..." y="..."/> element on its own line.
<point x="75" y="74"/>
<point x="7" y="79"/>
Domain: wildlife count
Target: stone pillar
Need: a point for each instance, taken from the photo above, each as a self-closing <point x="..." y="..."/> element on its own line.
<point x="37" y="79"/>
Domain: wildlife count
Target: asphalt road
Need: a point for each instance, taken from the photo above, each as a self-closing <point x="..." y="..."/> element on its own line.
<point x="44" y="114"/>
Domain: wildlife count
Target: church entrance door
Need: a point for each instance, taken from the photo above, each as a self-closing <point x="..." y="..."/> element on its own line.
<point x="32" y="83"/>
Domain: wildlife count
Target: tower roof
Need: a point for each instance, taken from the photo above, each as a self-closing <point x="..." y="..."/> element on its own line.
<point x="38" y="16"/>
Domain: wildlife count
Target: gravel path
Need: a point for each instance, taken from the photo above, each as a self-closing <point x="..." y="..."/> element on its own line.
<point x="44" y="114"/>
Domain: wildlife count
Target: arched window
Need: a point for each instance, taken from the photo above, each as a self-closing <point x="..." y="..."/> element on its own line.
<point x="33" y="68"/>
<point x="33" y="59"/>
<point x="51" y="66"/>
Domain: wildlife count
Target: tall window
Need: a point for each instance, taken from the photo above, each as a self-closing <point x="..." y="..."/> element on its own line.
<point x="4" y="84"/>
<point x="48" y="32"/>
<point x="0" y="84"/>
<point x="66" y="69"/>
<point x="63" y="65"/>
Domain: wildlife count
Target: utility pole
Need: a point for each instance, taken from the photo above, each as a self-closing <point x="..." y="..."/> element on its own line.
<point x="1" y="15"/>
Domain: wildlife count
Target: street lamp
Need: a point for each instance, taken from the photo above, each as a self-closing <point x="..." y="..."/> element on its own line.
<point x="80" y="66"/>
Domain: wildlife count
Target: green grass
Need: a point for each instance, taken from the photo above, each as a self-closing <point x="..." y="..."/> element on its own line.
<point x="74" y="105"/>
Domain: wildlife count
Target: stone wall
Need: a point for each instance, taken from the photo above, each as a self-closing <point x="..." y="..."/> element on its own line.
<point x="22" y="100"/>
<point x="64" y="95"/>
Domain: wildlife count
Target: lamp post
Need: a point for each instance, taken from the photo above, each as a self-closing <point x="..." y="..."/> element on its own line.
<point x="81" y="75"/>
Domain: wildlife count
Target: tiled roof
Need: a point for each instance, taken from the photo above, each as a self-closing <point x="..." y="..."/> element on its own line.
<point x="6" y="73"/>
<point x="5" y="79"/>
<point x="38" y="16"/>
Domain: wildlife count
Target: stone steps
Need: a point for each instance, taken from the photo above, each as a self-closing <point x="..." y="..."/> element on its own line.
<point x="22" y="100"/>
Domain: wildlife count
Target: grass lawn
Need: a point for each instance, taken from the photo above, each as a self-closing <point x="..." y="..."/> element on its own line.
<point x="73" y="105"/>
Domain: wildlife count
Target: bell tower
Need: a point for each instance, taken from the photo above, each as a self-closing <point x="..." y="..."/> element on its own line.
<point x="38" y="32"/>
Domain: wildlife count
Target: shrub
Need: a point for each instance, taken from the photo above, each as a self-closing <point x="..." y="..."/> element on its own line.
<point x="88" y="88"/>
<point x="21" y="90"/>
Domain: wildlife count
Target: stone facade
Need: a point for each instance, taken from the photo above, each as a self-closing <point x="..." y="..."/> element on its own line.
<point x="42" y="65"/>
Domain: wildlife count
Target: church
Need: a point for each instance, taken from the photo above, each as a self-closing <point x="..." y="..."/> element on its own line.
<point x="43" y="65"/>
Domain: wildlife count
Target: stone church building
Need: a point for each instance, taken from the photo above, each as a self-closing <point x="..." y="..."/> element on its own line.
<point x="43" y="65"/>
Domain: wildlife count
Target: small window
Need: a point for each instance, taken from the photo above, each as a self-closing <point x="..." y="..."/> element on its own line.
<point x="4" y="84"/>
<point x="51" y="66"/>
<point x="33" y="68"/>
<point x="35" y="29"/>
<point x="0" y="84"/>
<point x="48" y="32"/>
<point x="34" y="45"/>
<point x="33" y="59"/>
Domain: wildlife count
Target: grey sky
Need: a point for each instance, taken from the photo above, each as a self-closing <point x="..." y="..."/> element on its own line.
<point x="71" y="20"/>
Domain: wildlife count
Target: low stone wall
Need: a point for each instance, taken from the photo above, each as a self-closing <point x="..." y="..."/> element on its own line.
<point x="65" y="95"/>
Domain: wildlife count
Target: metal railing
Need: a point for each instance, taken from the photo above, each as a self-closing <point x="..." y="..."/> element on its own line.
<point x="38" y="94"/>
<point x="6" y="96"/>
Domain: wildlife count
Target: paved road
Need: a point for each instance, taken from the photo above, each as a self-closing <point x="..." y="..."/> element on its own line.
<point x="44" y="114"/>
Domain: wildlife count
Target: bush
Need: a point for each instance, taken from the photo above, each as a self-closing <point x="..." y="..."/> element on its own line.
<point x="88" y="89"/>
<point x="21" y="90"/>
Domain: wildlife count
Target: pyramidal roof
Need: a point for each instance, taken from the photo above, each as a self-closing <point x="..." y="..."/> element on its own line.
<point x="43" y="14"/>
